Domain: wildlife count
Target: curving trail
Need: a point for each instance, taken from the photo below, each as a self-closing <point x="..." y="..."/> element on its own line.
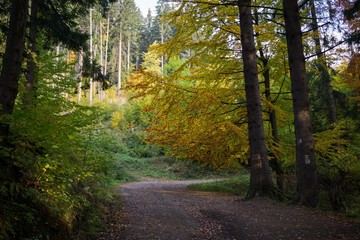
<point x="168" y="210"/>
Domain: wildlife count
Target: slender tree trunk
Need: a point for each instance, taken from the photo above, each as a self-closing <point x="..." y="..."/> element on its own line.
<point x="101" y="59"/>
<point x="260" y="175"/>
<point x="307" y="181"/>
<point x="101" y="49"/>
<point x="30" y="74"/>
<point x="12" y="60"/>
<point x="273" y="122"/>
<point x="322" y="67"/>
<point x="162" y="56"/>
<point x="120" y="61"/>
<point x="106" y="45"/>
<point x="81" y="65"/>
<point x="137" y="61"/>
<point x="128" y="54"/>
<point x="91" y="61"/>
<point x="271" y="112"/>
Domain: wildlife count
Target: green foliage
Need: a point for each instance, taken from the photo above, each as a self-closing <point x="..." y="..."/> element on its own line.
<point x="58" y="167"/>
<point x="165" y="168"/>
<point x="338" y="152"/>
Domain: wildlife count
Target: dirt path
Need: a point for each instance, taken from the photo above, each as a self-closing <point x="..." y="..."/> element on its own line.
<point x="168" y="210"/>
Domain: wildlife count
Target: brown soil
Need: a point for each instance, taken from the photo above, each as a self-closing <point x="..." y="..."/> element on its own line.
<point x="168" y="210"/>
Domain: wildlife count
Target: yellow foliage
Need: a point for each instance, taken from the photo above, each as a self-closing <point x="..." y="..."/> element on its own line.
<point x="198" y="109"/>
<point x="115" y="120"/>
<point x="331" y="146"/>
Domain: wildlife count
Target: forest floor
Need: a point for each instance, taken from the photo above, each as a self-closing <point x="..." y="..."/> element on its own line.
<point x="169" y="210"/>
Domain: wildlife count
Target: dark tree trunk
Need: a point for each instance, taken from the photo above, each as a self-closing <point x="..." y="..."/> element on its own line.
<point x="273" y="122"/>
<point x="307" y="181"/>
<point x="12" y="61"/>
<point x="260" y="176"/>
<point x="30" y="76"/>
<point x="322" y="67"/>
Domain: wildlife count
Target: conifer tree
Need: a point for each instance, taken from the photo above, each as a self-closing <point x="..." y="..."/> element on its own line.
<point x="260" y="176"/>
<point x="307" y="181"/>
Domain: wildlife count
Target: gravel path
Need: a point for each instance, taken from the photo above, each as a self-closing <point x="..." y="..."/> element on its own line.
<point x="168" y="210"/>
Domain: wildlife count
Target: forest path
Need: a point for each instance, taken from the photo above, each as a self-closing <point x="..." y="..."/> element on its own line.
<point x="168" y="210"/>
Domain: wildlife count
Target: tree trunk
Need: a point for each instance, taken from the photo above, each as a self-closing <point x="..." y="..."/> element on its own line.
<point x="106" y="45"/>
<point x="162" y="42"/>
<point x="260" y="176"/>
<point x="101" y="59"/>
<point x="91" y="61"/>
<point x="120" y="60"/>
<point x="12" y="60"/>
<point x="81" y="65"/>
<point x="101" y="49"/>
<point x="128" y="55"/>
<point x="273" y="123"/>
<point x="307" y="181"/>
<point x="322" y="67"/>
<point x="276" y="162"/>
<point x="30" y="74"/>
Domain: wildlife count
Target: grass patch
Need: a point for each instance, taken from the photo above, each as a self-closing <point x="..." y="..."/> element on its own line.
<point x="165" y="168"/>
<point x="235" y="186"/>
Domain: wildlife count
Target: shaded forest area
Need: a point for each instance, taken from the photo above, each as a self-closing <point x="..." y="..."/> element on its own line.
<point x="93" y="93"/>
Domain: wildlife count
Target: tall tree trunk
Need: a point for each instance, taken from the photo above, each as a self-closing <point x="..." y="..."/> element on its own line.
<point x="307" y="181"/>
<point x="107" y="44"/>
<point x="162" y="42"/>
<point x="101" y="48"/>
<point x="91" y="61"/>
<point x="260" y="175"/>
<point x="101" y="59"/>
<point x="273" y="123"/>
<point x="322" y="67"/>
<point x="271" y="112"/>
<point x="81" y="65"/>
<point x="128" y="54"/>
<point x="12" y="60"/>
<point x="120" y="60"/>
<point x="30" y="74"/>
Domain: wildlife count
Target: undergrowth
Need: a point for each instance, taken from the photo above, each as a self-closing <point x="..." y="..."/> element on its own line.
<point x="236" y="185"/>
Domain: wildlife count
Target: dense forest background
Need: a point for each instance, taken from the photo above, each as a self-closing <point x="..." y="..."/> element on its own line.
<point x="93" y="93"/>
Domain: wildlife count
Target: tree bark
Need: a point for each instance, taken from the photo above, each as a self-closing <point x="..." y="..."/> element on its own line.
<point x="276" y="162"/>
<point x="273" y="123"/>
<point x="91" y="61"/>
<point x="307" y="181"/>
<point x="30" y="75"/>
<point x="260" y="176"/>
<point x="128" y="54"/>
<point x="322" y="67"/>
<point x="106" y="45"/>
<point x="80" y="76"/>
<point x="101" y="48"/>
<point x="12" y="61"/>
<point x="120" y="60"/>
<point x="101" y="59"/>
<point x="162" y="42"/>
